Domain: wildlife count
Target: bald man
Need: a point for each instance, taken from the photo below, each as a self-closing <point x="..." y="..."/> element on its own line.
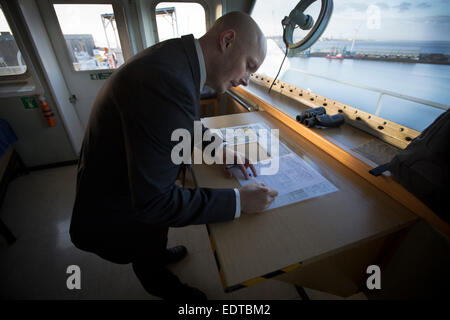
<point x="233" y="49"/>
<point x="126" y="194"/>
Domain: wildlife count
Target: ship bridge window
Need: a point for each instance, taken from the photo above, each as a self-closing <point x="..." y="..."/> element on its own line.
<point x="91" y="35"/>
<point x="390" y="59"/>
<point x="174" y="19"/>
<point x="11" y="61"/>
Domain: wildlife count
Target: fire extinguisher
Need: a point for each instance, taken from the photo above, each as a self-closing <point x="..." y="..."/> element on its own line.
<point x="47" y="111"/>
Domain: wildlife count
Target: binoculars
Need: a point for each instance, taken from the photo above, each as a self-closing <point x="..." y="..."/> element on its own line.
<point x="318" y="116"/>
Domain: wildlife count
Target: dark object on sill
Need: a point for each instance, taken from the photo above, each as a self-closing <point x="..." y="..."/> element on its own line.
<point x="310" y="122"/>
<point x="423" y="167"/>
<point x="309" y="113"/>
<point x="318" y="116"/>
<point x="328" y="121"/>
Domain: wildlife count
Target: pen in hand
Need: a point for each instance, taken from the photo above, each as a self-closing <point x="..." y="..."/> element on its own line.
<point x="250" y="174"/>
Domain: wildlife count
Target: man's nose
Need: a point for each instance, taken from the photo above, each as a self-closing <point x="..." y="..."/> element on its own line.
<point x="244" y="81"/>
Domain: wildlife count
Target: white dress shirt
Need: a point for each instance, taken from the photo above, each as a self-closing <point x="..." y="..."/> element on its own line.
<point x="201" y="62"/>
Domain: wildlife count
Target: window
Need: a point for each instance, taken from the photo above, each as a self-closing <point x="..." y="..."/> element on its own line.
<point x="11" y="60"/>
<point x="368" y="48"/>
<point x="91" y="35"/>
<point x="175" y="19"/>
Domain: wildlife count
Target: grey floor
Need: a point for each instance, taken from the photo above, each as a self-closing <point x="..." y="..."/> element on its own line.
<point x="37" y="208"/>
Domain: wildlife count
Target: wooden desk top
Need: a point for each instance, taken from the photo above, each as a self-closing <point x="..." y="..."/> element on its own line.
<point x="258" y="244"/>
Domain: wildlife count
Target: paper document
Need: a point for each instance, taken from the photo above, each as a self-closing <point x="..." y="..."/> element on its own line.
<point x="295" y="181"/>
<point x="243" y="134"/>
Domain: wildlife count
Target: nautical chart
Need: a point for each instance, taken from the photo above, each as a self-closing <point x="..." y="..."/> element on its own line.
<point x="295" y="180"/>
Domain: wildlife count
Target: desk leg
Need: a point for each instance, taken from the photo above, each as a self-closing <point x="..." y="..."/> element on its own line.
<point x="302" y="293"/>
<point x="342" y="273"/>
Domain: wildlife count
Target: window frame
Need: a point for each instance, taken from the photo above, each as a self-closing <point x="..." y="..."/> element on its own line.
<point x="16" y="78"/>
<point x="154" y="4"/>
<point x="120" y="19"/>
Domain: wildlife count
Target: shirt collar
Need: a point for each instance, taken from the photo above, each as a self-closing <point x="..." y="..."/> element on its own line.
<point x="201" y="62"/>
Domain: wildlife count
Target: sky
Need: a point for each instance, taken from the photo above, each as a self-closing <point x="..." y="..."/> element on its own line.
<point x="190" y="17"/>
<point x="367" y="19"/>
<point x="85" y="19"/>
<point x="360" y="19"/>
<point x="3" y="24"/>
<point x="75" y="19"/>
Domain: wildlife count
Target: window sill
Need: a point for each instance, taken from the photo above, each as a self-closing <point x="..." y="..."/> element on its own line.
<point x="362" y="145"/>
<point x="17" y="89"/>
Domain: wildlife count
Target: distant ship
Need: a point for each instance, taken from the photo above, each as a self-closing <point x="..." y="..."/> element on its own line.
<point x="335" y="56"/>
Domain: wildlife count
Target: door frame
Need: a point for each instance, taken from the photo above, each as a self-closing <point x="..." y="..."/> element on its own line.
<point x="122" y="28"/>
<point x="78" y="81"/>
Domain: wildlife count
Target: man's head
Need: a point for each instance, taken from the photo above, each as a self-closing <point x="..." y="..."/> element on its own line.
<point x="233" y="48"/>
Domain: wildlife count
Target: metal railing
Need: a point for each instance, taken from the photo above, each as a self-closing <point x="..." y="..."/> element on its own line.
<point x="382" y="93"/>
<point x="241" y="101"/>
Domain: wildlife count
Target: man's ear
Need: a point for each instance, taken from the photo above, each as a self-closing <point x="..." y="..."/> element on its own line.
<point x="227" y="39"/>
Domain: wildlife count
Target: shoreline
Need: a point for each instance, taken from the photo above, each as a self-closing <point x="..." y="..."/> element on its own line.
<point x="371" y="58"/>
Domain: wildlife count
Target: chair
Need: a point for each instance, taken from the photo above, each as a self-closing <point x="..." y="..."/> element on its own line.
<point x="11" y="165"/>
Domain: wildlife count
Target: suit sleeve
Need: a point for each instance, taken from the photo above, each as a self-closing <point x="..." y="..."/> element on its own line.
<point x="149" y="116"/>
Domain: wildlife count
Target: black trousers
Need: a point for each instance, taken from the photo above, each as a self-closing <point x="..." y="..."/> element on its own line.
<point x="141" y="245"/>
<point x="146" y="251"/>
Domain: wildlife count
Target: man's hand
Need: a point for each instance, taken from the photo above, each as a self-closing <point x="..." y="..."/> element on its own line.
<point x="239" y="160"/>
<point x="256" y="197"/>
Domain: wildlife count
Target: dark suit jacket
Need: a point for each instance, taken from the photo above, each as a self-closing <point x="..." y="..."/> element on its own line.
<point x="126" y="177"/>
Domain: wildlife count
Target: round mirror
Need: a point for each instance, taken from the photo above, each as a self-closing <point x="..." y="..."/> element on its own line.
<point x="306" y="23"/>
